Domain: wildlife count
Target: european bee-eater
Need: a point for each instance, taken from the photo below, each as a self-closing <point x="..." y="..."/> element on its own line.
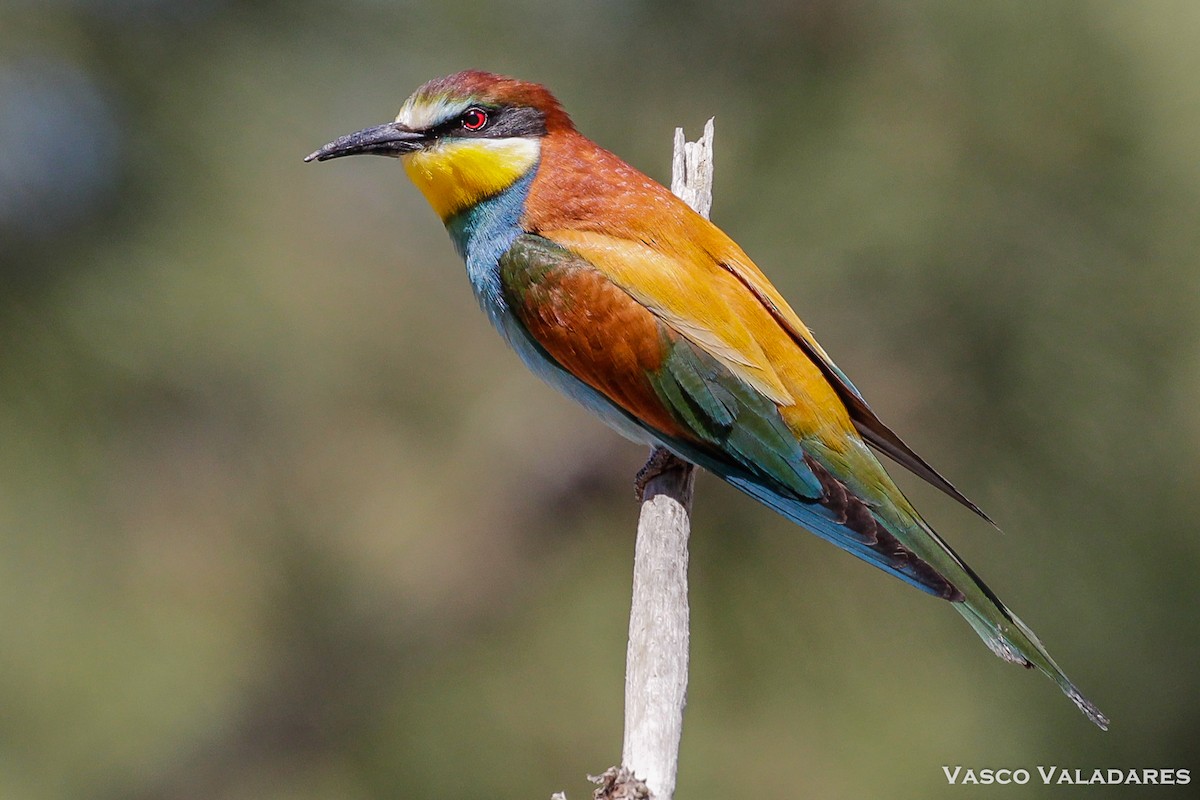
<point x="618" y="294"/>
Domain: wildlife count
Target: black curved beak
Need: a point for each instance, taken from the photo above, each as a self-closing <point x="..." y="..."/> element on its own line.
<point x="392" y="139"/>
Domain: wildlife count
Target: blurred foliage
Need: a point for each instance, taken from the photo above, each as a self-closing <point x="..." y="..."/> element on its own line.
<point x="280" y="518"/>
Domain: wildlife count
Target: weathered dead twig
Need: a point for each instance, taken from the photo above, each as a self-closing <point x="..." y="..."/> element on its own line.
<point x="656" y="662"/>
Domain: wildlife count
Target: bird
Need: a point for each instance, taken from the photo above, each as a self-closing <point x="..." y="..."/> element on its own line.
<point x="615" y="292"/>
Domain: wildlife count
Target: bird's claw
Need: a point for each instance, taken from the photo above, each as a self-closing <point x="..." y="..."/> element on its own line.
<point x="661" y="461"/>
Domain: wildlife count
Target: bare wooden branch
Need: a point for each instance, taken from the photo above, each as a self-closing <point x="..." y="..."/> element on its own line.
<point x="656" y="663"/>
<point x="692" y="170"/>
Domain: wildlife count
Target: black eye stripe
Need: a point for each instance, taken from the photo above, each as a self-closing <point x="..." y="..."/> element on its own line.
<point x="500" y="122"/>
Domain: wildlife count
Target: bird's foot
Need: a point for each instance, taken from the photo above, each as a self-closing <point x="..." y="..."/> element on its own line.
<point x="660" y="462"/>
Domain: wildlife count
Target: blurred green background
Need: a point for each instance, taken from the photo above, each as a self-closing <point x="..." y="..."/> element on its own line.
<point x="281" y="518"/>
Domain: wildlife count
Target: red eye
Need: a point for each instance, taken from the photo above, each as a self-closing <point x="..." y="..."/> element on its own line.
<point x="473" y="119"/>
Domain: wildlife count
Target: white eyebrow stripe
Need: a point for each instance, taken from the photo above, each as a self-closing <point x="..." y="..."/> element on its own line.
<point x="422" y="114"/>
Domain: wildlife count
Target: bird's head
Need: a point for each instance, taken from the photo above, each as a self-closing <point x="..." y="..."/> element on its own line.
<point x="462" y="138"/>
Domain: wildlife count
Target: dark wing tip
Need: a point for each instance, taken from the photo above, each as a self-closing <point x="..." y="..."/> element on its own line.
<point x="885" y="440"/>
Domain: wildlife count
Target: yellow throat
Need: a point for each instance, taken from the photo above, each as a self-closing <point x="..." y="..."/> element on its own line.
<point x="455" y="174"/>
